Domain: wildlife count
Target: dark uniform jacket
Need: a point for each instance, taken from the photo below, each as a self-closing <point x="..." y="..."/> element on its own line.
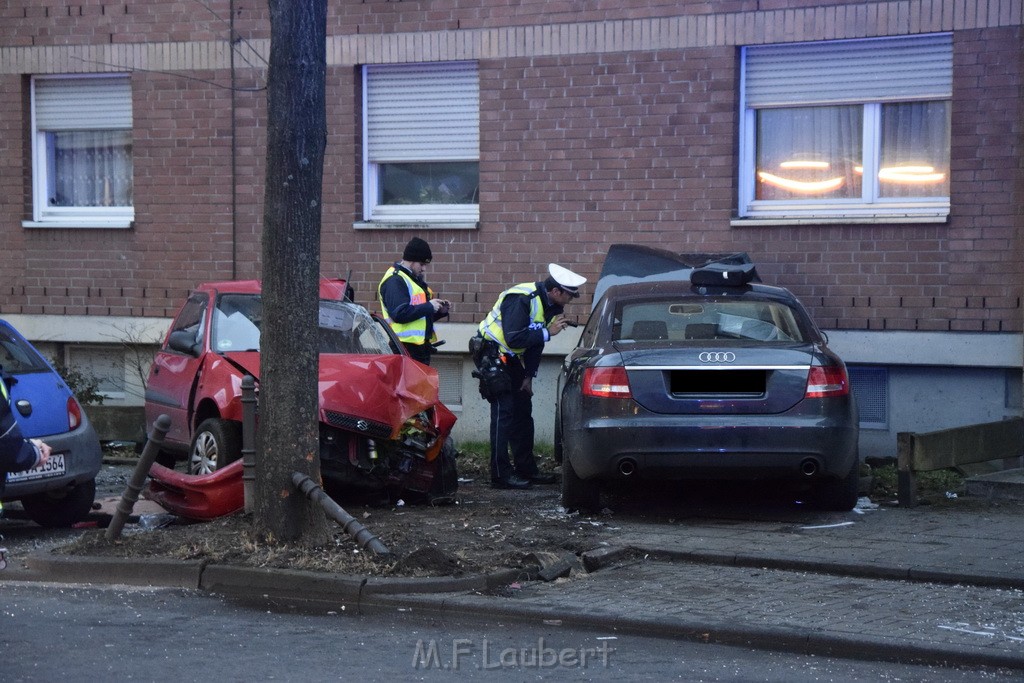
<point x="16" y="454"/>
<point x="519" y="330"/>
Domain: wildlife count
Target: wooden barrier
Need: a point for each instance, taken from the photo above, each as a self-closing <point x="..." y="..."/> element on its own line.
<point x="952" y="448"/>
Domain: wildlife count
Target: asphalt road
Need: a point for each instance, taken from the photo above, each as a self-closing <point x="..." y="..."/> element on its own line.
<point x="59" y="631"/>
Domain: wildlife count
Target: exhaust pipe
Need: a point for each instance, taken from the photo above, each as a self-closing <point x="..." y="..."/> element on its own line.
<point x="809" y="467"/>
<point x="627" y="466"/>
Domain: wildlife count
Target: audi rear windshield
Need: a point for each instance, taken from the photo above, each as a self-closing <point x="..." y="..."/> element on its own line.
<point x="705" y="320"/>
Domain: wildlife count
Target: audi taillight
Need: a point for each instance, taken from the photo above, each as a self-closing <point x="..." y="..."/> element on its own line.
<point x="74" y="413"/>
<point x="827" y="382"/>
<point x="606" y="383"/>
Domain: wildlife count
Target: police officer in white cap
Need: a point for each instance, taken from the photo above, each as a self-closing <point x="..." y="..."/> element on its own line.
<point x="522" y="320"/>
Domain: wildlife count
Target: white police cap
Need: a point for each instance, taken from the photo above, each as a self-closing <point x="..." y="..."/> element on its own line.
<point x="566" y="280"/>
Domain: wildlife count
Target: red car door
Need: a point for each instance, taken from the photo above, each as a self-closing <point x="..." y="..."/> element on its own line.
<point x="175" y="371"/>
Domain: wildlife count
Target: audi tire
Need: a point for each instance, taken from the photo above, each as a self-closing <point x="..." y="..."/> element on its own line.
<point x="583" y="495"/>
<point x="839" y="495"/>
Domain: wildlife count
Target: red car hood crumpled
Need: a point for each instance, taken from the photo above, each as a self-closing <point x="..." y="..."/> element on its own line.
<point x="388" y="389"/>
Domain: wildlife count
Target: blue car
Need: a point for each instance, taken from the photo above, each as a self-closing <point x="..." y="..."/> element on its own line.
<point x="61" y="492"/>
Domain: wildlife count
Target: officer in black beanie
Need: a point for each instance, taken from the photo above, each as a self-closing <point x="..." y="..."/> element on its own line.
<point x="408" y="304"/>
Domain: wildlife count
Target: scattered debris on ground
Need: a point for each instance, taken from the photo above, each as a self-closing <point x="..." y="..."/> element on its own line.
<point x="482" y="530"/>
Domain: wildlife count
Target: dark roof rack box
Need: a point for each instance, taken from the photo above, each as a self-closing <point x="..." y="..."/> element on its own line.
<point x="724" y="275"/>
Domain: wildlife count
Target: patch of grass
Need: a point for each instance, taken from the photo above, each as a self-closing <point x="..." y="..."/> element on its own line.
<point x="474" y="459"/>
<point x="931" y="486"/>
<point x="883" y="483"/>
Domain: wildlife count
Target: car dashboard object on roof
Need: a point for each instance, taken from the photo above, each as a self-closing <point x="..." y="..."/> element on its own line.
<point x="724" y="275"/>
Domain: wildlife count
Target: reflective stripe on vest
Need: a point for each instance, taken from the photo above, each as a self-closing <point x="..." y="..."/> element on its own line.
<point x="414" y="332"/>
<point x="491" y="328"/>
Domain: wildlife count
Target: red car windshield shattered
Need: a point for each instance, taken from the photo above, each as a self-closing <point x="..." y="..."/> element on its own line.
<point x="343" y="327"/>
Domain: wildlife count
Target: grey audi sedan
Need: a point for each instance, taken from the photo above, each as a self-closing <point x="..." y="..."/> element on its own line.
<point x="705" y="374"/>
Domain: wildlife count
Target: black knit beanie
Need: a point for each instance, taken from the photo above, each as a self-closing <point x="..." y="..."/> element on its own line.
<point x="417" y="250"/>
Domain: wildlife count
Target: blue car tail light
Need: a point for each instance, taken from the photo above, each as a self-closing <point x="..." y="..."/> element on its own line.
<point x="74" y="413"/>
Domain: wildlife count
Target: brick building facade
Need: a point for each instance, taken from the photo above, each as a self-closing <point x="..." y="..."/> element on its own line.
<point x="599" y="122"/>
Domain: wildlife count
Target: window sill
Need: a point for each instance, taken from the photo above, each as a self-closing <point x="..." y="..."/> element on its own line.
<point x="92" y="223"/>
<point x="417" y="225"/>
<point x="881" y="219"/>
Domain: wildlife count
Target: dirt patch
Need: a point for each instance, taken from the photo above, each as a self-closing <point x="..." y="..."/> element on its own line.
<point x="482" y="530"/>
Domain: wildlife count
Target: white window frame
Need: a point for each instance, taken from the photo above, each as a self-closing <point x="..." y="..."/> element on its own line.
<point x="419" y="121"/>
<point x="870" y="94"/>
<point x="114" y="105"/>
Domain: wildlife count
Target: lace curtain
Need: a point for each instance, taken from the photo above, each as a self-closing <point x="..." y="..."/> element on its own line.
<point x="91" y="168"/>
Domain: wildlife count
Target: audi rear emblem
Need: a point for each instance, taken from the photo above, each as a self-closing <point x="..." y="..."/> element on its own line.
<point x="362" y="425"/>
<point x="717" y="357"/>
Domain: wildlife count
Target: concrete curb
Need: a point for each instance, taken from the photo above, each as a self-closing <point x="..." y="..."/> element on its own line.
<point x="111" y="570"/>
<point x="317" y="587"/>
<point x="236" y="580"/>
<point x="867" y="571"/>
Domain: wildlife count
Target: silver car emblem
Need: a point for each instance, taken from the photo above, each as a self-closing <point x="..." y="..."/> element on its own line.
<point x="717" y="357"/>
<point x="362" y="425"/>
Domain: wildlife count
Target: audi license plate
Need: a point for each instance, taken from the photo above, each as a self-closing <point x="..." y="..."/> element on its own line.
<point x="54" y="467"/>
<point x="718" y="382"/>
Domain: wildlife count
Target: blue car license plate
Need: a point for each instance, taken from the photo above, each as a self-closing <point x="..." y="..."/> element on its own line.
<point x="54" y="467"/>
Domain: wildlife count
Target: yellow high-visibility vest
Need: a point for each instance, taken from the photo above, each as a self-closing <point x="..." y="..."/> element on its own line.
<point x="414" y="332"/>
<point x="491" y="329"/>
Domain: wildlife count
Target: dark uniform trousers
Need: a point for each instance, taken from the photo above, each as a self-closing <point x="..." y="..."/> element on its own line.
<point x="512" y="428"/>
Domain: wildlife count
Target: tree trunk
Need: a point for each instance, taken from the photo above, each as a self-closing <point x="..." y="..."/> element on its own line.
<point x="296" y="136"/>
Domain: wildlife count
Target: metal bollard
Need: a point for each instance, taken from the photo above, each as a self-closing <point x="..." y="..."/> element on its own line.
<point x="146" y="460"/>
<point x="349" y="524"/>
<point x="249" y="441"/>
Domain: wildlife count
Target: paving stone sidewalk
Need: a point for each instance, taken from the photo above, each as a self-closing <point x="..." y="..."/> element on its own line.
<point x="941" y="586"/>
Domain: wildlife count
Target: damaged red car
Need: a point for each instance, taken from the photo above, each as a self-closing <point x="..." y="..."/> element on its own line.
<point x="382" y="425"/>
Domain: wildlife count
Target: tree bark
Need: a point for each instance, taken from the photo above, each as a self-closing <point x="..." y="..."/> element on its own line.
<point x="288" y="438"/>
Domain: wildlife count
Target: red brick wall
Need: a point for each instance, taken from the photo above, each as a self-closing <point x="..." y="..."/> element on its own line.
<point x="582" y="152"/>
<point x="64" y="22"/>
<point x="69" y="22"/>
<point x="577" y="152"/>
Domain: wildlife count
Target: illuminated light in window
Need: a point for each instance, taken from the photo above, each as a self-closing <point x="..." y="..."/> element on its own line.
<point x="911" y="174"/>
<point x="805" y="164"/>
<point x="801" y="186"/>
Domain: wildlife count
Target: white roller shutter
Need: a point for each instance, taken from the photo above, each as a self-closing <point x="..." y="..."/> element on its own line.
<point x="96" y="103"/>
<point x="423" y="112"/>
<point x="850" y="71"/>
